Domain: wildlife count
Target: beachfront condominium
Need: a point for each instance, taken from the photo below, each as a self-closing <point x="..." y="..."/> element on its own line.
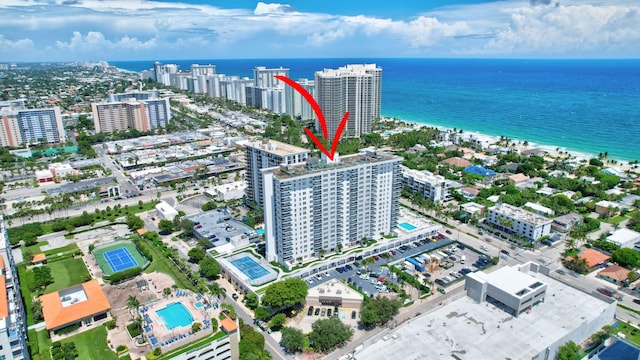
<point x="265" y="154"/>
<point x="325" y="206"/>
<point x="19" y="126"/>
<point x="353" y="88"/>
<point x="514" y="220"/>
<point x="297" y="106"/>
<point x="131" y="113"/>
<point x="430" y="186"/>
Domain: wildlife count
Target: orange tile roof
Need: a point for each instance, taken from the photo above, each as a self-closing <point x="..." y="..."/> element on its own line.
<point x="4" y="304"/>
<point x="228" y="325"/>
<point x="1" y="262"/>
<point x="594" y="257"/>
<point x="38" y="258"/>
<point x="519" y="177"/>
<point x="615" y="272"/>
<point x="142" y="231"/>
<point x="456" y="161"/>
<point x="56" y="316"/>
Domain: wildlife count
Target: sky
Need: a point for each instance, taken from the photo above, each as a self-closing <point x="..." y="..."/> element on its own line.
<point x="93" y="30"/>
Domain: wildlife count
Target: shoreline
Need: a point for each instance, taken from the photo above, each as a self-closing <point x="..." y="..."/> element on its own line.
<point x="552" y="150"/>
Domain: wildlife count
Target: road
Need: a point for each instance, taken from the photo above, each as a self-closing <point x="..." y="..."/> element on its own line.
<point x="126" y="187"/>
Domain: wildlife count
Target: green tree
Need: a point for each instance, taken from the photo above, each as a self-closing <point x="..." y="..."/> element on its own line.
<point x="166" y="226"/>
<point x="69" y="350"/>
<point x="134" y="222"/>
<point x="569" y="351"/>
<point x="251" y="301"/>
<point x="196" y="254"/>
<point x="292" y="339"/>
<point x="209" y="268"/>
<point x="286" y="293"/>
<point x="261" y="313"/>
<point x="329" y="333"/>
<point x="195" y="327"/>
<point x="277" y="321"/>
<point x="379" y="310"/>
<point x="626" y="257"/>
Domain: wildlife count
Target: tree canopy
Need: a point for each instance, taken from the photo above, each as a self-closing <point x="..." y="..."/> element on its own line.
<point x="379" y="310"/>
<point x="329" y="333"/>
<point x="626" y="257"/>
<point x="292" y="339"/>
<point x="569" y="351"/>
<point x="209" y="268"/>
<point x="196" y="254"/>
<point x="286" y="293"/>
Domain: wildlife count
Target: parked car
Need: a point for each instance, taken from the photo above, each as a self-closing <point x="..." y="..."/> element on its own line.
<point x="505" y="252"/>
<point x="310" y="312"/>
<point x="349" y="267"/>
<point x="316" y="312"/>
<point x="328" y="312"/>
<point x="353" y="314"/>
<point x="339" y="269"/>
<point x="448" y="231"/>
<point x="324" y="312"/>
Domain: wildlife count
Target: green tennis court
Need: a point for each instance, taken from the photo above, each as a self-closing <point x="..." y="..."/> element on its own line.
<point x="110" y="258"/>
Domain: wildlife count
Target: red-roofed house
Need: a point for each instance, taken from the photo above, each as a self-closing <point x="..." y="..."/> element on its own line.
<point x="82" y="304"/>
<point x="594" y="257"/>
<point x="614" y="273"/>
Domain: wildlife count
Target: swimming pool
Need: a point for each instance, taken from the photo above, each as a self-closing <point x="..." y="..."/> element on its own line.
<point x="175" y="315"/>
<point x="260" y="231"/>
<point x="407" y="226"/>
<point x="198" y="305"/>
<point x="250" y="267"/>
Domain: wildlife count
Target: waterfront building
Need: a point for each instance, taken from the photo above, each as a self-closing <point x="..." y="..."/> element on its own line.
<point x="19" y="126"/>
<point x="325" y="206"/>
<point x="518" y="221"/>
<point x="353" y="88"/>
<point x="267" y="154"/>
<point x="297" y="106"/>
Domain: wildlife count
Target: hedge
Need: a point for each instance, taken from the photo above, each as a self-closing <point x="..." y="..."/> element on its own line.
<point x="124" y="274"/>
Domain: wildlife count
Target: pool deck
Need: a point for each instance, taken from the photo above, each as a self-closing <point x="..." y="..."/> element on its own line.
<point x="153" y="325"/>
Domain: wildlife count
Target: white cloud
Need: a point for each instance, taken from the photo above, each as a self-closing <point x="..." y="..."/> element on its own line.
<point x="96" y="41"/>
<point x="21" y="44"/>
<point x="270" y="9"/>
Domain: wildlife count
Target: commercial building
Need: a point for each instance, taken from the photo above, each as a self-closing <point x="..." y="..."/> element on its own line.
<point x="334" y="293"/>
<point x="13" y="321"/>
<point x="433" y="187"/>
<point x="82" y="304"/>
<point x="323" y="206"/>
<point x="166" y="211"/>
<point x="518" y="221"/>
<point x="19" y="126"/>
<point x="353" y="88"/>
<point x="140" y="111"/>
<point x="567" y="222"/>
<point x="464" y="329"/>
<point x="267" y="154"/>
<point x="218" y="347"/>
<point x="223" y="231"/>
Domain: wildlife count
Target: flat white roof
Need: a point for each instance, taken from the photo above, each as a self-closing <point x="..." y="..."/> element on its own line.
<point x="507" y="279"/>
<point x="466" y="330"/>
<point x="624" y="236"/>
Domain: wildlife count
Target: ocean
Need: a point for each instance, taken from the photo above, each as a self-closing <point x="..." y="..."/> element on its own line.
<point x="584" y="106"/>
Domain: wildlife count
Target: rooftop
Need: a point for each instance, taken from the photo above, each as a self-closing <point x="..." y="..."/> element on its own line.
<point x="615" y="272"/>
<point x="336" y="289"/>
<point x="623" y="236"/>
<point x="520" y="214"/>
<point x="220" y="227"/>
<point x="39" y="258"/>
<point x="423" y="176"/>
<point x="276" y="147"/>
<point x="509" y="280"/>
<point x="70" y="305"/>
<point x="465" y="330"/>
<point x="315" y="165"/>
<point x="228" y="325"/>
<point x="593" y="257"/>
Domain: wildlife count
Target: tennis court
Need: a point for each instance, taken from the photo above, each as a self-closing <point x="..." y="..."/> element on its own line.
<point x="250" y="267"/>
<point x="119" y="257"/>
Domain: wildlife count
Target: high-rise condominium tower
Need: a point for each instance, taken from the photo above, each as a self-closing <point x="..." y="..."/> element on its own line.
<point x="353" y="88"/>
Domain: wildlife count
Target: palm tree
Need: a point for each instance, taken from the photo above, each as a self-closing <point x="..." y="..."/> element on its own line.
<point x="133" y="303"/>
<point x="216" y="290"/>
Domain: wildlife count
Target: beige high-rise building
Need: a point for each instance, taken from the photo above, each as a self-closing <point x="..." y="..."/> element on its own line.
<point x="353" y="88"/>
<point x="30" y="126"/>
<point x="131" y="114"/>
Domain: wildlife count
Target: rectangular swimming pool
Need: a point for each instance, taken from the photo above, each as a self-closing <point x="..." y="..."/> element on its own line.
<point x="198" y="305"/>
<point x="250" y="267"/>
<point x="407" y="226"/>
<point x="175" y="315"/>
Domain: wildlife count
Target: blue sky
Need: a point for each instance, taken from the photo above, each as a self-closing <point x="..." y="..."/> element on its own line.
<point x="69" y="30"/>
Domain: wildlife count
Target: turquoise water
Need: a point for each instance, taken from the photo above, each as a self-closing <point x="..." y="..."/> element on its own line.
<point x="407" y="226"/>
<point x="175" y="315"/>
<point x="198" y="305"/>
<point x="589" y="106"/>
<point x="260" y="231"/>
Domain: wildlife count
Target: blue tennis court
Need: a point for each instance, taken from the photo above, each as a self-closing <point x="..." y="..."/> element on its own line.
<point x="250" y="267"/>
<point x="120" y="259"/>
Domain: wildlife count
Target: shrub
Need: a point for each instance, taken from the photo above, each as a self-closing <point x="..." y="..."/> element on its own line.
<point x="121" y="348"/>
<point x="68" y="329"/>
<point x="125" y="274"/>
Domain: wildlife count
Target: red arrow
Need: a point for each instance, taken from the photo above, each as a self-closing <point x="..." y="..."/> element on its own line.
<point x="323" y="124"/>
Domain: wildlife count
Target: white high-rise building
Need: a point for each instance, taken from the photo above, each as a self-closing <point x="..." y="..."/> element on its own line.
<point x="353" y="88"/>
<point x="267" y="154"/>
<point x="297" y="106"/>
<point x="264" y="77"/>
<point x="324" y="206"/>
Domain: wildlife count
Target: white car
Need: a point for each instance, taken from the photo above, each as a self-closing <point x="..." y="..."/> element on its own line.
<point x="310" y="281"/>
<point x="327" y="274"/>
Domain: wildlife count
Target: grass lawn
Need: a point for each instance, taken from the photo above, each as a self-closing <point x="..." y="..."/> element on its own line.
<point x="164" y="265"/>
<point x="92" y="345"/>
<point x="34" y="249"/>
<point x="69" y="247"/>
<point x="26" y="294"/>
<point x="631" y="333"/>
<point x="45" y="344"/>
<point x="617" y="219"/>
<point x="66" y="273"/>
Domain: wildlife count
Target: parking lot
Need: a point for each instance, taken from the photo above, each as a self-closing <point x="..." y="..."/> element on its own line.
<point x="366" y="284"/>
